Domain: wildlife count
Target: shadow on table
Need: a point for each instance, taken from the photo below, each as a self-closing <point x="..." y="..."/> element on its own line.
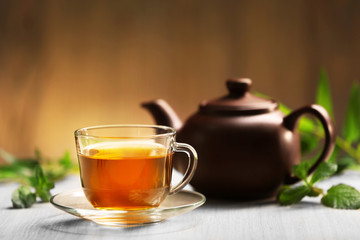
<point x="238" y="204"/>
<point x="78" y="226"/>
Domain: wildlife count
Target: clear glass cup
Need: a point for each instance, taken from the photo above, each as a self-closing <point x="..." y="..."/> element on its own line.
<point x="129" y="167"/>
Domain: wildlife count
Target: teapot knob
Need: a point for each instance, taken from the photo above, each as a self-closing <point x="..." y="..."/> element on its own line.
<point x="238" y="86"/>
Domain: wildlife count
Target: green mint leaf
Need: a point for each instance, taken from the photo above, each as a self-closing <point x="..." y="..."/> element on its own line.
<point x="44" y="194"/>
<point x="7" y="174"/>
<point x="22" y="197"/>
<point x="292" y="195"/>
<point x="334" y="155"/>
<point x="324" y="170"/>
<point x="18" y="171"/>
<point x="351" y="128"/>
<point x="41" y="184"/>
<point x="314" y="192"/>
<point x="284" y="109"/>
<point x="342" y="196"/>
<point x="301" y="170"/>
<point x="323" y="95"/>
<point x="307" y="125"/>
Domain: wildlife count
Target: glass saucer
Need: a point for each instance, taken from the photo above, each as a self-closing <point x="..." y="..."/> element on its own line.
<point x="75" y="203"/>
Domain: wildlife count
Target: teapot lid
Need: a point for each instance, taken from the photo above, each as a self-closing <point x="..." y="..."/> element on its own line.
<point x="239" y="100"/>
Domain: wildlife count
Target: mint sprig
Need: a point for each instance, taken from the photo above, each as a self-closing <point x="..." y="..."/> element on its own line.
<point x="23" y="197"/>
<point x="291" y="195"/>
<point x="36" y="176"/>
<point x="33" y="186"/>
<point x="347" y="144"/>
<point x="346" y="154"/>
<point x="340" y="196"/>
<point x="41" y="184"/>
<point x="323" y="171"/>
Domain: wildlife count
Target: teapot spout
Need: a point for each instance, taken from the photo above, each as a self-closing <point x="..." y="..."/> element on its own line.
<point x="163" y="113"/>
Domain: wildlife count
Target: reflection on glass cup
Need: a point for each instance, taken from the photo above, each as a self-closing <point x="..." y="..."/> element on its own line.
<point x="129" y="167"/>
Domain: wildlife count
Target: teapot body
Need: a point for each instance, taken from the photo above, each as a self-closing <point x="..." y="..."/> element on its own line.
<point x="245" y="157"/>
<point x="246" y="146"/>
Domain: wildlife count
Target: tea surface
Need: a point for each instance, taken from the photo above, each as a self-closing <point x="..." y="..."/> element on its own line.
<point x="130" y="175"/>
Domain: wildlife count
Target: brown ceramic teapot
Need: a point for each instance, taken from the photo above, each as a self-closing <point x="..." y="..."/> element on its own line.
<point x="246" y="146"/>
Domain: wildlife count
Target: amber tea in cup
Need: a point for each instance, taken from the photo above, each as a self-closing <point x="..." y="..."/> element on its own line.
<point x="126" y="175"/>
<point x="129" y="167"/>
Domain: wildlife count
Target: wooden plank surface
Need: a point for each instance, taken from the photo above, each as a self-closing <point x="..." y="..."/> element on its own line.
<point x="69" y="64"/>
<point x="215" y="220"/>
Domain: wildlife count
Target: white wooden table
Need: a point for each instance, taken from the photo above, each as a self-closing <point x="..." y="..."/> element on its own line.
<point x="214" y="220"/>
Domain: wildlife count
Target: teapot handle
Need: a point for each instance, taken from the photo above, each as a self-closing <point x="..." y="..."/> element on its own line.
<point x="290" y="122"/>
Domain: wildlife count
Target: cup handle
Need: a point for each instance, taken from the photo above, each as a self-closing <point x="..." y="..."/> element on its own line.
<point x="193" y="160"/>
<point x="290" y="122"/>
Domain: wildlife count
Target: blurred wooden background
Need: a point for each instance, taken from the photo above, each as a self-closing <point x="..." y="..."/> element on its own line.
<point x="70" y="64"/>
